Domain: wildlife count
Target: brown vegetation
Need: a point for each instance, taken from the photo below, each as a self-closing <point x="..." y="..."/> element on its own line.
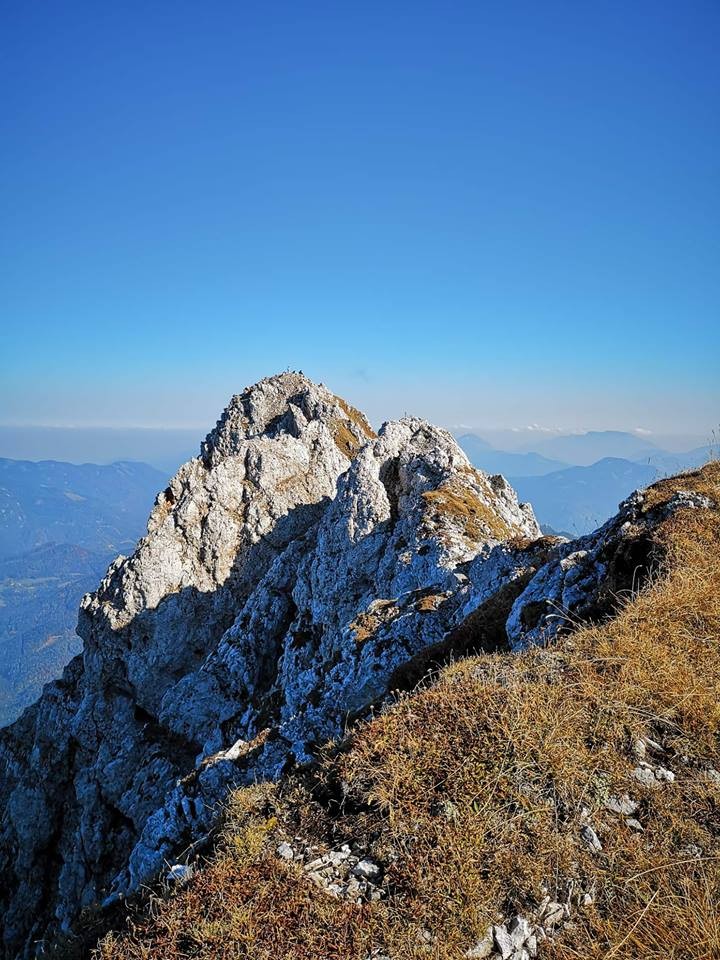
<point x="352" y="413"/>
<point x="473" y="790"/>
<point x="478" y="519"/>
<point x="345" y="440"/>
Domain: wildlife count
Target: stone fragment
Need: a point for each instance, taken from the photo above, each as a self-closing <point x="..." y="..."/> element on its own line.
<point x="552" y="914"/>
<point x="367" y="870"/>
<point x="622" y="805"/>
<point x="519" y="929"/>
<point x="503" y="941"/>
<point x="179" y="873"/>
<point x="483" y="948"/>
<point x="645" y="776"/>
<point x="285" y="851"/>
<point x="591" y="838"/>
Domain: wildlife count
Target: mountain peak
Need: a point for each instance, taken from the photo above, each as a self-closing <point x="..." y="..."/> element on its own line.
<point x="291" y="577"/>
<point x="284" y="403"/>
<point x="286" y="575"/>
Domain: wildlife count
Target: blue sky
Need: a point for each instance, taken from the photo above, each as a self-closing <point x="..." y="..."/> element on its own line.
<point x="485" y="213"/>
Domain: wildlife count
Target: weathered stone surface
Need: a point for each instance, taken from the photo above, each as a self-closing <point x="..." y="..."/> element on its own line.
<point x="623" y="805"/>
<point x="292" y="575"/>
<point x="278" y="588"/>
<point x="587" y="578"/>
<point x="591" y="838"/>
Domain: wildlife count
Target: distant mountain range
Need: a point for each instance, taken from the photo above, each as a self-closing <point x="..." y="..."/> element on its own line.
<point x="60" y="527"/>
<point x="575" y="497"/>
<point x="100" y="508"/>
<point x="39" y="596"/>
<point x="165" y="449"/>
<point x="530" y="464"/>
<point x="576" y="500"/>
<point x="584" y="449"/>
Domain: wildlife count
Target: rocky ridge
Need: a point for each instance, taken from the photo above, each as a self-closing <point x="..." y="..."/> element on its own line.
<point x="295" y="572"/>
<point x="287" y="572"/>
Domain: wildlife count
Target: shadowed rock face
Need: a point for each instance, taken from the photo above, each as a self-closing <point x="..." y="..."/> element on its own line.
<point x="587" y="579"/>
<point x="286" y="574"/>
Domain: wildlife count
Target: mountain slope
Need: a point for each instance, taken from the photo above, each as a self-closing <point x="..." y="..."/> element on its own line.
<point x="162" y="448"/>
<point x="293" y="576"/>
<point x="483" y="456"/>
<point x="40" y="592"/>
<point x="563" y="802"/>
<point x="286" y="573"/>
<point x="60" y="527"/>
<point x="89" y="505"/>
<point x="584" y="449"/>
<point x="669" y="463"/>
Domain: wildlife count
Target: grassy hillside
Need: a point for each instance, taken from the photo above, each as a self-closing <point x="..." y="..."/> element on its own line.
<point x="586" y="773"/>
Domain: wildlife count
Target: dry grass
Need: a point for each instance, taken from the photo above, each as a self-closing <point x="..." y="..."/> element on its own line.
<point x="352" y="413"/>
<point x="704" y="481"/>
<point x="461" y="503"/>
<point x="345" y="440"/>
<point x="369" y="621"/>
<point x="472" y="793"/>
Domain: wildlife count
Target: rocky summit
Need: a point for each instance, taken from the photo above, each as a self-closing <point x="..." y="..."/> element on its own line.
<point x="292" y="575"/>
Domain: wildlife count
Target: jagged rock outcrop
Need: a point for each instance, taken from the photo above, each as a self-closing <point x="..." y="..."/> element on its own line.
<point x="586" y="579"/>
<point x="287" y="573"/>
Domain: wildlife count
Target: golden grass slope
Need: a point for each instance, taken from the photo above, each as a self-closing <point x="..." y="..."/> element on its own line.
<point x="472" y="792"/>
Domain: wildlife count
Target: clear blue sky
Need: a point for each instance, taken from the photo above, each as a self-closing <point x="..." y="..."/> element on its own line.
<point x="489" y="213"/>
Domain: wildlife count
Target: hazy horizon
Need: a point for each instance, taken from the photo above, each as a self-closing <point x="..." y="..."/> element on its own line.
<point x="167" y="447"/>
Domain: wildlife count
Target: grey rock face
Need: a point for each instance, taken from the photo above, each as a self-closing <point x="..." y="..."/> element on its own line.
<point x="280" y="585"/>
<point x="586" y="578"/>
<point x="372" y="583"/>
<point x="291" y="575"/>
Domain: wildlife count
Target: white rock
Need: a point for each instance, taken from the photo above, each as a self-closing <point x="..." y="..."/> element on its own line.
<point x="519" y="929"/>
<point x="503" y="941"/>
<point x="483" y="948"/>
<point x="285" y="851"/>
<point x="622" y="805"/>
<point x="367" y="870"/>
<point x="645" y="776"/>
<point x="573" y="582"/>
<point x="552" y="914"/>
<point x="591" y="838"/>
<point x="179" y="873"/>
<point x="652" y="777"/>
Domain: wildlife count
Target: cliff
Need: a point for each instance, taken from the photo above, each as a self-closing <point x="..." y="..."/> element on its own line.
<point x="287" y="572"/>
<point x="295" y="578"/>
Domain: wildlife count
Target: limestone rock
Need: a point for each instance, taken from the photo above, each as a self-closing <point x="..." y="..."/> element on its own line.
<point x="292" y="575"/>
<point x="584" y="578"/>
<point x="287" y="573"/>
